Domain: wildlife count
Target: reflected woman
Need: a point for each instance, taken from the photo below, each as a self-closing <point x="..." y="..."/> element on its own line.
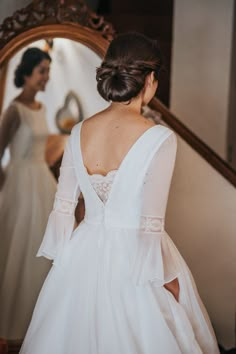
<point x="27" y="189"/>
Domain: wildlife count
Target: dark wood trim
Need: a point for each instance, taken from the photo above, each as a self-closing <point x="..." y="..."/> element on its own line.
<point x="14" y="346"/>
<point x="43" y="12"/>
<point x="231" y="131"/>
<point x="3" y="78"/>
<point x="197" y="144"/>
<point x="76" y="32"/>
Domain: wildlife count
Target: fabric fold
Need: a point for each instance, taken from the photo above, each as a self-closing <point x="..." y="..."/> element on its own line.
<point x="154" y="260"/>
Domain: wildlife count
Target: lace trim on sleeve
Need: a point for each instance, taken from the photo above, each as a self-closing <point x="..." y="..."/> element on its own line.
<point x="64" y="206"/>
<point x="152" y="224"/>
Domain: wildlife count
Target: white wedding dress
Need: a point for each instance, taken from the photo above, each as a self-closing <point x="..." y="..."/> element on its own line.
<point x="26" y="200"/>
<point x="105" y="293"/>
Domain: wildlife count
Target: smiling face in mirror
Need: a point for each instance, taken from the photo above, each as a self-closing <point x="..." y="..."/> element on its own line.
<point x="32" y="74"/>
<point x="40" y="75"/>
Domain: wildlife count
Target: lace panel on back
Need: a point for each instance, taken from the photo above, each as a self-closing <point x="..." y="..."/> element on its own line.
<point x="102" y="184"/>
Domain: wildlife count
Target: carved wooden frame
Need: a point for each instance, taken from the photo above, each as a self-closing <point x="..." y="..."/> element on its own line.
<point x="42" y="12"/>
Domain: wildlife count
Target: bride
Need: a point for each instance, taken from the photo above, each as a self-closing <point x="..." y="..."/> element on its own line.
<point x="27" y="190"/>
<point x="118" y="285"/>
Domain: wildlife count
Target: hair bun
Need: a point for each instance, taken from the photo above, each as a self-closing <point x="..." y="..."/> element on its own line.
<point x="19" y="76"/>
<point x="119" y="82"/>
<point x="129" y="59"/>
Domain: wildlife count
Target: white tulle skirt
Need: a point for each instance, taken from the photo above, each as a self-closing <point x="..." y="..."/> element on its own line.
<point x="91" y="303"/>
<point x="25" y="203"/>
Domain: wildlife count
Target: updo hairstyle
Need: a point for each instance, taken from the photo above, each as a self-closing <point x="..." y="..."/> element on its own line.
<point x="129" y="59"/>
<point x="31" y="58"/>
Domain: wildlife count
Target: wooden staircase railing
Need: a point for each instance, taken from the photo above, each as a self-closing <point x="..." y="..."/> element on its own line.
<point x="196" y="143"/>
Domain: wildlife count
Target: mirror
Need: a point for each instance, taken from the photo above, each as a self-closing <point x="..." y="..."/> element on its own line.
<point x="28" y="191"/>
<point x="71" y="86"/>
<point x="27" y="194"/>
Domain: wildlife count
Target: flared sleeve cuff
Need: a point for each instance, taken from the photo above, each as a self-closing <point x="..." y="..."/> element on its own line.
<point x="58" y="232"/>
<point x="155" y="257"/>
<point x="59" y="229"/>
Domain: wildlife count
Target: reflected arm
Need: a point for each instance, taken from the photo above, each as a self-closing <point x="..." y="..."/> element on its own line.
<point x="8" y="128"/>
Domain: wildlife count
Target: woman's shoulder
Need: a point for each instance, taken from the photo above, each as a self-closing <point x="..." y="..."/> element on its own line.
<point x="165" y="129"/>
<point x="16" y="102"/>
<point x="169" y="138"/>
<point x="11" y="111"/>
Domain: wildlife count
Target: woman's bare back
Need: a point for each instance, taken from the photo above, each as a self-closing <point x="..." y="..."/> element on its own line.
<point x="107" y="137"/>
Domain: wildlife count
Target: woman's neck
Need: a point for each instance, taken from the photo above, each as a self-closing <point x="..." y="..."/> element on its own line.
<point x="133" y="106"/>
<point x="27" y="96"/>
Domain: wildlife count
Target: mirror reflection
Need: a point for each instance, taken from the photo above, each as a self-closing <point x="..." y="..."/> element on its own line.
<point x="50" y="86"/>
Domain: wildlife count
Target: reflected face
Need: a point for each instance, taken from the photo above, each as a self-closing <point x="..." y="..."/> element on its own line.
<point x="40" y="75"/>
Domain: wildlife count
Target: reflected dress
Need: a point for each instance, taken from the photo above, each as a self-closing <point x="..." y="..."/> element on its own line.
<point x="105" y="293"/>
<point x="26" y="200"/>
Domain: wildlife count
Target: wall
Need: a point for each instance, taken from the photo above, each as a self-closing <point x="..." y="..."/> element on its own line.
<point x="201" y="221"/>
<point x="200" y="70"/>
<point x="8" y="7"/>
<point x="154" y="18"/>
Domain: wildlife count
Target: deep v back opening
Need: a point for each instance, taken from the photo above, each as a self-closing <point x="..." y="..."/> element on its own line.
<point x="118" y="171"/>
<point x="122" y="161"/>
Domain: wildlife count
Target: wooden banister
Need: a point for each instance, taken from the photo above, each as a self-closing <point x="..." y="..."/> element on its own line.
<point x="194" y="141"/>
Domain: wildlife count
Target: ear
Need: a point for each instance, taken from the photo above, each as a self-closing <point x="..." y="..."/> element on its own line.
<point x="150" y="79"/>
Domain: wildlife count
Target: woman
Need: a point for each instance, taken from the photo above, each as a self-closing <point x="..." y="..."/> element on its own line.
<point x="27" y="191"/>
<point x="118" y="283"/>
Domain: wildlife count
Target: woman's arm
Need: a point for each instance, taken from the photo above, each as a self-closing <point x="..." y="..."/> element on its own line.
<point x="162" y="268"/>
<point x="61" y="222"/>
<point x="173" y="287"/>
<point x="9" y="125"/>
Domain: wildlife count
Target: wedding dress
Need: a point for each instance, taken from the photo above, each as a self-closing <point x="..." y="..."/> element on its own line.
<point x="26" y="200"/>
<point x="105" y="293"/>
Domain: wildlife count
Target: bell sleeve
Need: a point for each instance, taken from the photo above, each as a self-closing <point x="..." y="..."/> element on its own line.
<point x="61" y="220"/>
<point x="155" y="258"/>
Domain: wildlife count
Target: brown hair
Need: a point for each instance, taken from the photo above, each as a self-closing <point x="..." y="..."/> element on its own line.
<point x="129" y="59"/>
<point x="31" y="58"/>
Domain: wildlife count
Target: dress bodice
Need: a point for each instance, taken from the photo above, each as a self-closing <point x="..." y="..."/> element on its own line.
<point x="122" y="204"/>
<point x="28" y="144"/>
<point x="118" y="210"/>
